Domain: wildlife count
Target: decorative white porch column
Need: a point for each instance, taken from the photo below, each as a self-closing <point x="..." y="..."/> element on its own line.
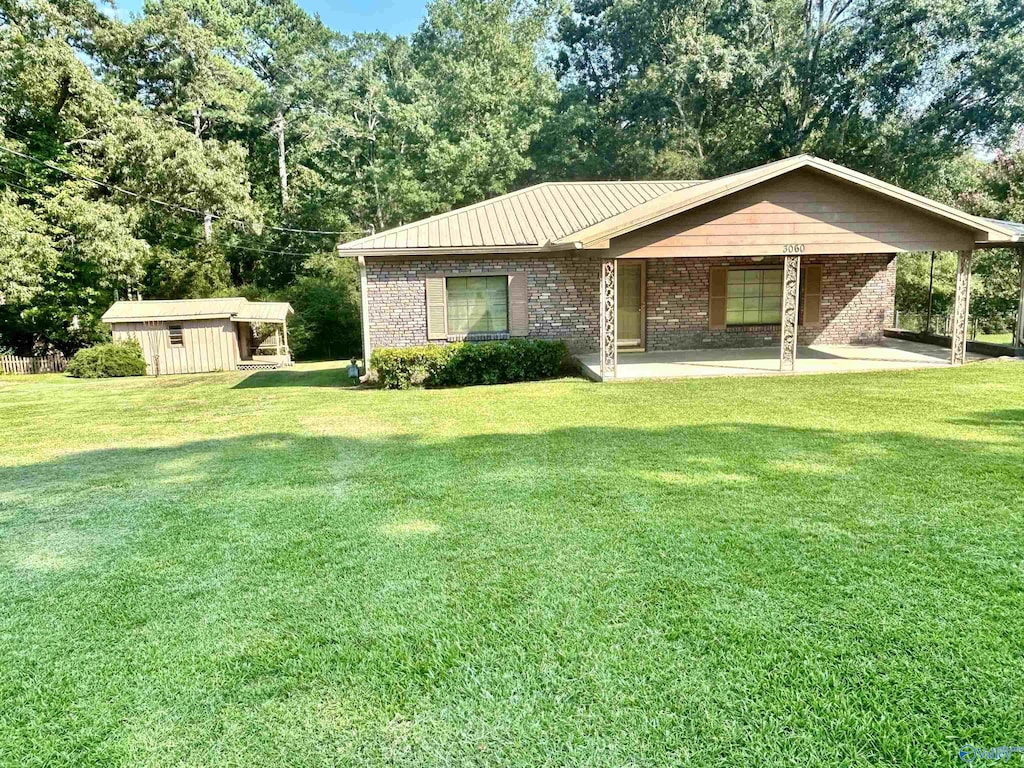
<point x="790" y="312"/>
<point x="609" y="319"/>
<point x="961" y="308"/>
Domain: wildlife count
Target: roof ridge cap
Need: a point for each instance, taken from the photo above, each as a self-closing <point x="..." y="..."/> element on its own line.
<point x="626" y="181"/>
<point x="168" y="301"/>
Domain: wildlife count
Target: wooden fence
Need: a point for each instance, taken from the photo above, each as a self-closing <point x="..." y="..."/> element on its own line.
<point x="55" y="363"/>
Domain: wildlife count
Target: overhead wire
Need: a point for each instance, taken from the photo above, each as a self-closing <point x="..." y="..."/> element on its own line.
<point x="163" y="203"/>
<point x="197" y="238"/>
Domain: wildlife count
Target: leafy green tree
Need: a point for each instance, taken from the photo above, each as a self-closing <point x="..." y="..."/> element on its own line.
<point x="997" y="192"/>
<point x="27" y="252"/>
<point x="912" y="278"/>
<point x="326" y="304"/>
<point x="893" y="87"/>
<point x="74" y="247"/>
<point x="482" y="93"/>
<point x="181" y="72"/>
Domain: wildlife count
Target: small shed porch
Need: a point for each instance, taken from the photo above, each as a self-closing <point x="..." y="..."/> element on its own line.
<point x="263" y="336"/>
<point x="890" y="354"/>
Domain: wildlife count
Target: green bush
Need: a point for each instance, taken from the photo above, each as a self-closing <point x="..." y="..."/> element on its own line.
<point x="469" y="363"/>
<point x="326" y="323"/>
<point x="107" y="361"/>
<point x="400" y="368"/>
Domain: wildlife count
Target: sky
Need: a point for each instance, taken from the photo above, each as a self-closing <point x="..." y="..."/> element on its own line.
<point x="396" y="17"/>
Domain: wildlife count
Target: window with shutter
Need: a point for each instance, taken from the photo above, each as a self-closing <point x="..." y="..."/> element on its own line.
<point x="436" y="321"/>
<point x="518" y="305"/>
<point x="477" y="305"/>
<point x="754" y="297"/>
<point x="717" y="297"/>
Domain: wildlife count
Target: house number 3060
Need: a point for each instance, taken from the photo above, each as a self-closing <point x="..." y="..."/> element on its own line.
<point x="793" y="248"/>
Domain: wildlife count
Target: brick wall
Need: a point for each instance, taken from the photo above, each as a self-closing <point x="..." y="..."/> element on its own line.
<point x="562" y="296"/>
<point x="857" y="299"/>
<point x="856" y="303"/>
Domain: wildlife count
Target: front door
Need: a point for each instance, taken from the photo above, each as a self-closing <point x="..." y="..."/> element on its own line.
<point x="631" y="302"/>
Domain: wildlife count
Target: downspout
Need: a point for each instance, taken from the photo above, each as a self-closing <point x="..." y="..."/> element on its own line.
<point x="364" y="311"/>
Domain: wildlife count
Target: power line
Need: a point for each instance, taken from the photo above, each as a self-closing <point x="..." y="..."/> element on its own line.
<point x="196" y="238"/>
<point x="114" y="187"/>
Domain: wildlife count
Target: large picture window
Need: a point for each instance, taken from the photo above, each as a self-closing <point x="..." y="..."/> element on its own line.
<point x="477" y="304"/>
<point x="754" y="297"/>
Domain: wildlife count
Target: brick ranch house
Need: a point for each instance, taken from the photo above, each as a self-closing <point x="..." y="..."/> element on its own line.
<point x="797" y="249"/>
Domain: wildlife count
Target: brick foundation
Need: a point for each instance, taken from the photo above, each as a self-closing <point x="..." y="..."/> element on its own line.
<point x="856" y="304"/>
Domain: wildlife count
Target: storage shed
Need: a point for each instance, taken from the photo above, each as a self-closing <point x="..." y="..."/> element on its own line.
<point x="203" y="335"/>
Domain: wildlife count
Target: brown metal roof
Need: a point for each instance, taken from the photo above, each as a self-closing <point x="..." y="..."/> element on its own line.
<point x="560" y="215"/>
<point x="529" y="218"/>
<point x="236" y="308"/>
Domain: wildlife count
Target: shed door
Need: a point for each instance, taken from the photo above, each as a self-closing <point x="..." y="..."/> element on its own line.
<point x="631" y="302"/>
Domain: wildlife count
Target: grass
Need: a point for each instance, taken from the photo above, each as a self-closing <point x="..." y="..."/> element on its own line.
<point x="996" y="338"/>
<point x="276" y="570"/>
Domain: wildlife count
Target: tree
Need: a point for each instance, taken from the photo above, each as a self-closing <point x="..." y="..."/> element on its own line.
<point x="326" y="324"/>
<point x="482" y="94"/>
<point x="72" y="247"/>
<point x="892" y="87"/>
<point x="997" y="191"/>
<point x="170" y="63"/>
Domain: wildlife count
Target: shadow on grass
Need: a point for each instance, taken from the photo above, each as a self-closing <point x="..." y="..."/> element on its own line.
<point x="238" y="580"/>
<point x="785" y="462"/>
<point x="320" y="377"/>
<point x="1004" y="418"/>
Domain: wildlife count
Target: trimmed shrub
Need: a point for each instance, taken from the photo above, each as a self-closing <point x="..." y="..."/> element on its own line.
<point x="108" y="361"/>
<point x="469" y="363"/>
<point x="402" y="367"/>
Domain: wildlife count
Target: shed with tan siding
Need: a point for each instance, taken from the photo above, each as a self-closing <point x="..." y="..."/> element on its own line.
<point x="200" y="335"/>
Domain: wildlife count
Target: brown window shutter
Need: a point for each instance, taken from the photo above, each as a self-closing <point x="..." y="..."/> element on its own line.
<point x="717" y="297"/>
<point x="518" y="314"/>
<point x="812" y="294"/>
<point x="437" y="326"/>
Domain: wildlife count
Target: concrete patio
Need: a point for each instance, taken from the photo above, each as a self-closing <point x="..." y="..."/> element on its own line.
<point x="890" y="354"/>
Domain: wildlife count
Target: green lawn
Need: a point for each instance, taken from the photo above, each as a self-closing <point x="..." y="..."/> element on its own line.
<point x="214" y="570"/>
<point x="996" y="338"/>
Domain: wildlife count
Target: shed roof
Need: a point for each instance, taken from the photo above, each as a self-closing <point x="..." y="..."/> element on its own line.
<point x="564" y="215"/>
<point x="264" y="312"/>
<point x="236" y="309"/>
